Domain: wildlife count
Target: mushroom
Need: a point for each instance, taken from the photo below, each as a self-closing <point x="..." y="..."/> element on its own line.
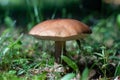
<point x="60" y="31"/>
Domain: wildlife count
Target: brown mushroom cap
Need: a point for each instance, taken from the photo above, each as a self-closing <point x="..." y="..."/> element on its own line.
<point x="60" y="30"/>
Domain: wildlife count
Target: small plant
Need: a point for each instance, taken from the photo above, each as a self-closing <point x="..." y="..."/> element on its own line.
<point x="104" y="59"/>
<point x="70" y="63"/>
<point x="9" y="49"/>
<point x="73" y="65"/>
<point x="117" y="71"/>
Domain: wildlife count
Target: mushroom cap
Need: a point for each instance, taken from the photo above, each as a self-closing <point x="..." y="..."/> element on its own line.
<point x="60" y="30"/>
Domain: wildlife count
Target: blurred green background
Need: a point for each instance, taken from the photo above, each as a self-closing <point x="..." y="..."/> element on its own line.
<point x="25" y="12"/>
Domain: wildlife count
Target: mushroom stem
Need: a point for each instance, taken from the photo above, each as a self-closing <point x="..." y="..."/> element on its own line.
<point x="59" y="50"/>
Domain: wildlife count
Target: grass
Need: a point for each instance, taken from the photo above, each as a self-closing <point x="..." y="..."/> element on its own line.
<point x="23" y="57"/>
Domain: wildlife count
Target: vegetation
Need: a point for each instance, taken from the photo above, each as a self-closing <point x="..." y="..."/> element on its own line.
<point x="23" y="57"/>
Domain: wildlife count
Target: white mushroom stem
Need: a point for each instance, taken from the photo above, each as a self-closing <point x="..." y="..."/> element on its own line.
<point x="59" y="50"/>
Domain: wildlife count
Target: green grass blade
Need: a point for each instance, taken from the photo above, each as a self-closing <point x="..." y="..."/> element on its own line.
<point x="68" y="76"/>
<point x="70" y="63"/>
<point x="85" y="74"/>
<point x="117" y="71"/>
